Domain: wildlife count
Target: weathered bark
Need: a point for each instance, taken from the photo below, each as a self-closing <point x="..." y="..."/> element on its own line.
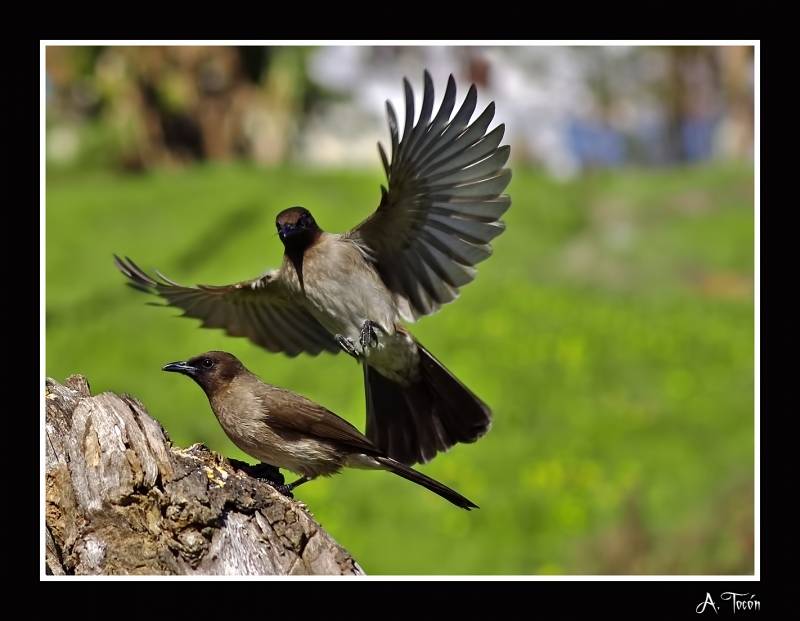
<point x="121" y="500"/>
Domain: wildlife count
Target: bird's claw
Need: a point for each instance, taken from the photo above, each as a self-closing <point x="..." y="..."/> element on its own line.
<point x="369" y="334"/>
<point x="286" y="490"/>
<point x="347" y="345"/>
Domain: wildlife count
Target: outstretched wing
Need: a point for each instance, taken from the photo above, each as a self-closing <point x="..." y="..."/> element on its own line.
<point x="262" y="309"/>
<point x="444" y="202"/>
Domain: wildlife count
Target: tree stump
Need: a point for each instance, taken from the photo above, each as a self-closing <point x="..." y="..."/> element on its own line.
<point x="120" y="499"/>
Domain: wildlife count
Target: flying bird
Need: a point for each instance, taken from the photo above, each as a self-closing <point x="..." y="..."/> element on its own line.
<point x="286" y="430"/>
<point x="352" y="291"/>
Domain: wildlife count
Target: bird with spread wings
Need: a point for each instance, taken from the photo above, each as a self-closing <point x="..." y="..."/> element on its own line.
<point x="352" y="291"/>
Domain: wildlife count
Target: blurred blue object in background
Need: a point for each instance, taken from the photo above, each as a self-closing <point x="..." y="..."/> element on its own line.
<point x="697" y="135"/>
<point x="596" y="145"/>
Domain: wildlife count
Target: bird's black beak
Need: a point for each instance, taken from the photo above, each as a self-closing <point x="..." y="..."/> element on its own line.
<point x="180" y="367"/>
<point x="287" y="230"/>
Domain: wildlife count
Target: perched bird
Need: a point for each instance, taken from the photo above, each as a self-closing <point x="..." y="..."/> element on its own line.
<point x="351" y="290"/>
<point x="284" y="429"/>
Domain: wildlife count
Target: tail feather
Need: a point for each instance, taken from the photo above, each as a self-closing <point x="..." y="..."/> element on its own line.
<point x="413" y="423"/>
<point x="391" y="424"/>
<point x="463" y="414"/>
<point x="420" y="479"/>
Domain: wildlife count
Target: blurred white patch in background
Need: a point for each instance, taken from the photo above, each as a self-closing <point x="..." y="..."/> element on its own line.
<point x="63" y="143"/>
<point x="566" y="108"/>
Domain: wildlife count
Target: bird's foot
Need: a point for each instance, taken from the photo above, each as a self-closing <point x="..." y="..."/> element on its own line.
<point x="286" y="490"/>
<point x="369" y="334"/>
<point x="347" y="345"/>
<point x="270" y="474"/>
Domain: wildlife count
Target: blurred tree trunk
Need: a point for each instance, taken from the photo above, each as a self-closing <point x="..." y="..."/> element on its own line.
<point x="676" y="98"/>
<point x="735" y="66"/>
<point x="121" y="500"/>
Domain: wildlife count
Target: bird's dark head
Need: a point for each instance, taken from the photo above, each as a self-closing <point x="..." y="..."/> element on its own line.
<point x="297" y="225"/>
<point x="211" y="370"/>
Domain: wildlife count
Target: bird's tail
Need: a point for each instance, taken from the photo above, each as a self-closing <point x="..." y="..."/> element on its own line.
<point x="417" y="477"/>
<point x="412" y="423"/>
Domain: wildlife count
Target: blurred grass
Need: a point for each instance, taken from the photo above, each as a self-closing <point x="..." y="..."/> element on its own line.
<point x="612" y="334"/>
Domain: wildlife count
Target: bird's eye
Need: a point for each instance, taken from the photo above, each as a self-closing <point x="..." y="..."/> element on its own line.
<point x="207" y="363"/>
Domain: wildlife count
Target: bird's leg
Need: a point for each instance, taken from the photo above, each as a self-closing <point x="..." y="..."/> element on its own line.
<point x="286" y="489"/>
<point x="368" y="334"/>
<point x="347" y="345"/>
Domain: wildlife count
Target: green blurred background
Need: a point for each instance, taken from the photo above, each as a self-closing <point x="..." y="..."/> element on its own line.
<point x="612" y="332"/>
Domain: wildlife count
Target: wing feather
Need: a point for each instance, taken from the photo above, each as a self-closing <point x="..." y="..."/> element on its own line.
<point x="263" y="309"/>
<point x="309" y="418"/>
<point x="442" y="208"/>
